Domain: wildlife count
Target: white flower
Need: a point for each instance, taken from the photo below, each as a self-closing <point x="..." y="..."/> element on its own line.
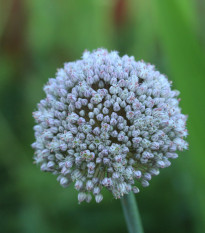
<point x="108" y="122"/>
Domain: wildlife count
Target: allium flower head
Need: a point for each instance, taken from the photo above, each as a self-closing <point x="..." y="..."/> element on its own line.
<point x="108" y="122"/>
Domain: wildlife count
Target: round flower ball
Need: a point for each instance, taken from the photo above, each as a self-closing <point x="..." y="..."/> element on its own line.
<point x="108" y="122"/>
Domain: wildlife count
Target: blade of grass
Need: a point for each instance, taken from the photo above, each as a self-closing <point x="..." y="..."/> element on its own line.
<point x="186" y="60"/>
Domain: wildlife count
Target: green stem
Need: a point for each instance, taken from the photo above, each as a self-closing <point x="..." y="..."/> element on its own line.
<point x="131" y="213"/>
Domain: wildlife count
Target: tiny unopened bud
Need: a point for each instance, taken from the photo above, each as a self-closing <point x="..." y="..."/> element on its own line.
<point x="98" y="198"/>
<point x="96" y="190"/>
<point x="138" y="174"/>
<point x="88" y="198"/>
<point x="145" y="183"/>
<point x="81" y="197"/>
<point x="89" y="185"/>
<point x="135" y="189"/>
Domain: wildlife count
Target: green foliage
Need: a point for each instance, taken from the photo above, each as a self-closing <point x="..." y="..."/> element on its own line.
<point x="36" y="37"/>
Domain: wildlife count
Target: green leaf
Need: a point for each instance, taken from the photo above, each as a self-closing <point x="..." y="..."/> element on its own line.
<point x="185" y="63"/>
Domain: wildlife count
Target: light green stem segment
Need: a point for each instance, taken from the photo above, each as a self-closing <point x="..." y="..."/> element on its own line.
<point x="131" y="213"/>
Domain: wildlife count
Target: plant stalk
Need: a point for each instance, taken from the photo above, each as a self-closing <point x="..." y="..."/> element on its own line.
<point x="131" y="213"/>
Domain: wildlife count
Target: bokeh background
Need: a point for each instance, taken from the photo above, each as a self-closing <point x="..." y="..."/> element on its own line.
<point x="36" y="38"/>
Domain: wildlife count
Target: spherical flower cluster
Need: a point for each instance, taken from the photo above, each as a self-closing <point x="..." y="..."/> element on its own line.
<point x="108" y="121"/>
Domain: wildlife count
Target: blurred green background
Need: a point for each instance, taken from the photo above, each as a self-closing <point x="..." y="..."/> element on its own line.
<point x="36" y="38"/>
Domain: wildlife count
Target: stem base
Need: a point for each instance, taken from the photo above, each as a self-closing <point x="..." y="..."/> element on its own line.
<point x="131" y="213"/>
